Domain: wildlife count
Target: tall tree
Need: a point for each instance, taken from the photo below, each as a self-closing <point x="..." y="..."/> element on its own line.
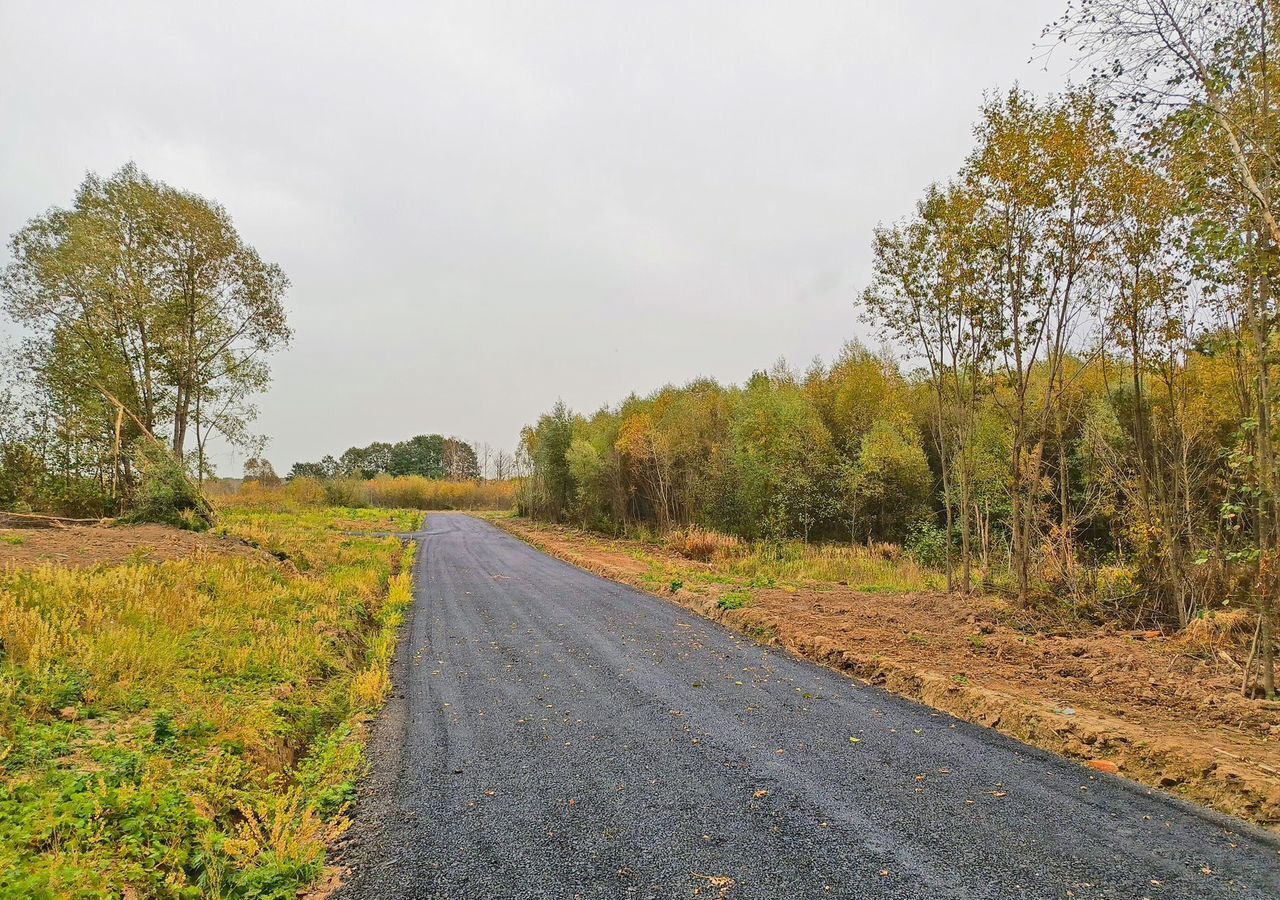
<point x="146" y="295"/>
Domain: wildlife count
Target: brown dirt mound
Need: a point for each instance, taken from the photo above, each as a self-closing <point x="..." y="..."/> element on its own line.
<point x="82" y="547"/>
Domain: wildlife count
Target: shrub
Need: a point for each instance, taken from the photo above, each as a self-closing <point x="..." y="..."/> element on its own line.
<point x="927" y="544"/>
<point x="387" y="492"/>
<point x="348" y="492"/>
<point x="165" y="493"/>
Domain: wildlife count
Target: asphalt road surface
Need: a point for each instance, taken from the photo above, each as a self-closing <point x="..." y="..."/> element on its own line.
<point x="555" y="735"/>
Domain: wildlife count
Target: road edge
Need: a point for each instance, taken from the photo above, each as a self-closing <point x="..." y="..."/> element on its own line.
<point x="1207" y="784"/>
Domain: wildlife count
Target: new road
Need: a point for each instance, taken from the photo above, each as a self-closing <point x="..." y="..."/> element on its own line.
<point x="555" y="735"/>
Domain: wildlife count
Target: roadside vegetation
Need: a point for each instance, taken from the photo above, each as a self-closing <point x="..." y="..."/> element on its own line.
<point x="194" y="727"/>
<point x="1081" y="416"/>
<point x="403" y="492"/>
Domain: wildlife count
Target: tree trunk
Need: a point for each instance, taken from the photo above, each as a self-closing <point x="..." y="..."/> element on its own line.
<point x="1267" y="525"/>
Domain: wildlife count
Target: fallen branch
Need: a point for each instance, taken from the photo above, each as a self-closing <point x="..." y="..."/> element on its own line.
<point x="31" y="520"/>
<point x="1237" y="758"/>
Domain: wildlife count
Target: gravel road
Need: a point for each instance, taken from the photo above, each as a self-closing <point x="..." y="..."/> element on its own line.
<point x="555" y="735"/>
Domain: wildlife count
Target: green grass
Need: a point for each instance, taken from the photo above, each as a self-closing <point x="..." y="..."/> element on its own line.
<point x="193" y="728"/>
<point x="15" y="540"/>
<point x="734" y="600"/>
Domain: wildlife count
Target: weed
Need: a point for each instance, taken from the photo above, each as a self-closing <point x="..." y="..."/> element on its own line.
<point x="734" y="600"/>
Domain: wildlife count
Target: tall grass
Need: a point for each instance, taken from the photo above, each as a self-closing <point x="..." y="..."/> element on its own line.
<point x="876" y="569"/>
<point x="193" y="727"/>
<point x="404" y="492"/>
<point x="879" y="567"/>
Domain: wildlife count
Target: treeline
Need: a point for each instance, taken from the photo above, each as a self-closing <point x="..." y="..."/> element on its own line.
<point x="1089" y="309"/>
<point x="835" y="453"/>
<point x="147" y="323"/>
<point x="427" y="455"/>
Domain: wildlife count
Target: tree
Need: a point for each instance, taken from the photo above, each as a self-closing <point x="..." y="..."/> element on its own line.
<point x="258" y="469"/>
<point x="1198" y="74"/>
<point x="926" y="294"/>
<point x="459" y="460"/>
<point x="146" y="295"/>
<point x="421" y="455"/>
<point x="1037" y="170"/>
<point x="550" y="491"/>
<point x="891" y="482"/>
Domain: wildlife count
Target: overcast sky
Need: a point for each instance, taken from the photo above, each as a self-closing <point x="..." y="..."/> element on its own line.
<point x="484" y="207"/>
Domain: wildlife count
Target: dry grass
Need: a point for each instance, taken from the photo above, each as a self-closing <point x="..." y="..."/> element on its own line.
<point x="877" y="568"/>
<point x="870" y="569"/>
<point x="1229" y="630"/>
<point x="703" y="545"/>
<point x="406" y="492"/>
<point x="192" y="727"/>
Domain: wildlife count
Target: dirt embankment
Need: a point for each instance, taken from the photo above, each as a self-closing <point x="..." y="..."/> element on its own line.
<point x="1165" y="712"/>
<point x="84" y="546"/>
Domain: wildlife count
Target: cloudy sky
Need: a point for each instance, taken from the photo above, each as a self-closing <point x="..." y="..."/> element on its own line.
<point x="487" y="206"/>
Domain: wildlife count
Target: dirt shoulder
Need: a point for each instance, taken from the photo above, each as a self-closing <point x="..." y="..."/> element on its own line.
<point x="81" y="547"/>
<point x="1164" y="712"/>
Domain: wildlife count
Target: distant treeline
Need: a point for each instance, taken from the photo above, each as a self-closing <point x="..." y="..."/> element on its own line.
<point x="427" y="455"/>
<point x="836" y="453"/>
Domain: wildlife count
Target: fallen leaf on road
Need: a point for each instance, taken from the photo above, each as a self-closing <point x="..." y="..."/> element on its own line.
<point x="760" y="795"/>
<point x="854" y="740"/>
<point x="723" y="883"/>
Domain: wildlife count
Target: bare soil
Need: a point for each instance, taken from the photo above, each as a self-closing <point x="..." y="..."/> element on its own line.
<point x="1165" y="711"/>
<point x="85" y="546"/>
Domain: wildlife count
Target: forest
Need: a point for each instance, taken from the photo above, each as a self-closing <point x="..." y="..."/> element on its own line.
<point x="1074" y="403"/>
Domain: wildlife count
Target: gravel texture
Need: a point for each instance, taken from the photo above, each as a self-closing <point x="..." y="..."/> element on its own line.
<point x="556" y="735"/>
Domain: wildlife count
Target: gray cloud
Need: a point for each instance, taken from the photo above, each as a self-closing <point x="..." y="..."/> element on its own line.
<point x="486" y="206"/>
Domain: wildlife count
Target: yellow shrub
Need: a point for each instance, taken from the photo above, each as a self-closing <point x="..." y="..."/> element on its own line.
<point x="702" y="544"/>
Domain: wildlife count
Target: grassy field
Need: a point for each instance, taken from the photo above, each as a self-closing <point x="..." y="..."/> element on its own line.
<point x="194" y="727"/>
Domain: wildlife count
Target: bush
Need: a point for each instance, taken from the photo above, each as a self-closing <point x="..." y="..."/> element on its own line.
<point x="734" y="600"/>
<point x="349" y="492"/>
<point x="927" y="544"/>
<point x="165" y="493"/>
